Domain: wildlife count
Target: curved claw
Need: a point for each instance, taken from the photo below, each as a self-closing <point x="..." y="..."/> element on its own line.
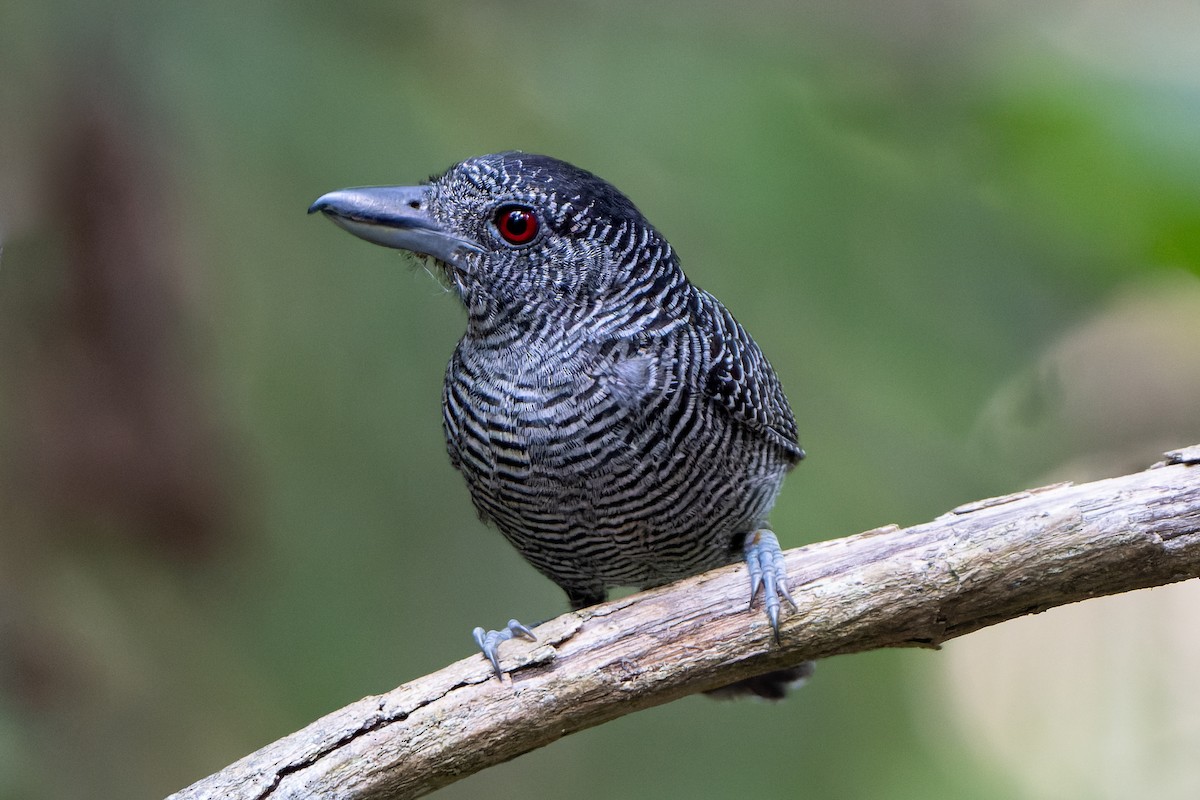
<point x="764" y="561"/>
<point x="489" y="641"/>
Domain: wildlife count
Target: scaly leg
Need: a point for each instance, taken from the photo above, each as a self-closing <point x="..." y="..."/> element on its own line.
<point x="764" y="561"/>
<point x="489" y="641"/>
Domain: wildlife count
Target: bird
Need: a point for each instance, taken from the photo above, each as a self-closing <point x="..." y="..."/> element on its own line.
<point x="611" y="419"/>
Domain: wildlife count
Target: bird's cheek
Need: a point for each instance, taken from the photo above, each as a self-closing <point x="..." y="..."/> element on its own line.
<point x="585" y="279"/>
<point x="561" y="282"/>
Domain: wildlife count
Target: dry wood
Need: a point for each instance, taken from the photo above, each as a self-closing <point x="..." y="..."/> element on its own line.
<point x="975" y="566"/>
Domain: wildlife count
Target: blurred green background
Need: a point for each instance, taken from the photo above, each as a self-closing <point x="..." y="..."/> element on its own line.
<point x="966" y="234"/>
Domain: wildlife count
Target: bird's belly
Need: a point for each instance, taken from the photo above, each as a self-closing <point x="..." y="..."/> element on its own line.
<point x="600" y="501"/>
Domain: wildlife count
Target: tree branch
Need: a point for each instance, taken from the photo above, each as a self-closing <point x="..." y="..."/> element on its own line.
<point x="975" y="566"/>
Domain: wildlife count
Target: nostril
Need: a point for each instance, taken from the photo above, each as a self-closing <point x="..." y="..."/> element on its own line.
<point x="414" y="203"/>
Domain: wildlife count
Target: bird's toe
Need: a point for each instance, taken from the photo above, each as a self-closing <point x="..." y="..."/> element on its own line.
<point x="489" y="641"/>
<point x="768" y="573"/>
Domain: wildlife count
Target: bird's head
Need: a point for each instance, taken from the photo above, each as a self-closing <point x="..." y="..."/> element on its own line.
<point x="514" y="230"/>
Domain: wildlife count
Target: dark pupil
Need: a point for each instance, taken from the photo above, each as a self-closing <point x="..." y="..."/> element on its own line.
<point x="517" y="224"/>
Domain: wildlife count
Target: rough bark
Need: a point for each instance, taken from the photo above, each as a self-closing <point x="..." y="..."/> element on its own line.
<point x="974" y="566"/>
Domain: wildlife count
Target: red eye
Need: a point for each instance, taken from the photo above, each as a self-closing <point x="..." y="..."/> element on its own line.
<point x="517" y="224"/>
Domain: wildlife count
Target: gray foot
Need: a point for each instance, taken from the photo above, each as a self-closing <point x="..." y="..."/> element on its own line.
<point x="489" y="641"/>
<point x="764" y="560"/>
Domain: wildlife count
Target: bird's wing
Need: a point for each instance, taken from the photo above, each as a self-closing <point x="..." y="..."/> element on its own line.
<point x="741" y="381"/>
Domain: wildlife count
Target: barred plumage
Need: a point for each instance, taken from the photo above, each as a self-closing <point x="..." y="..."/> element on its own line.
<point x="609" y="462"/>
<point x="613" y="421"/>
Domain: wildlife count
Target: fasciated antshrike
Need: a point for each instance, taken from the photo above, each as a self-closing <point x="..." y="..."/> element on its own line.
<point x="612" y="420"/>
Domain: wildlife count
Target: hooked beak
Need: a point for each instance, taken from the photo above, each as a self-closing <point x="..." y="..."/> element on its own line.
<point x="393" y="216"/>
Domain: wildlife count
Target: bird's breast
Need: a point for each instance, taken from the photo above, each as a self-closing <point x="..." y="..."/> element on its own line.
<point x="604" y="449"/>
<point x="521" y="416"/>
